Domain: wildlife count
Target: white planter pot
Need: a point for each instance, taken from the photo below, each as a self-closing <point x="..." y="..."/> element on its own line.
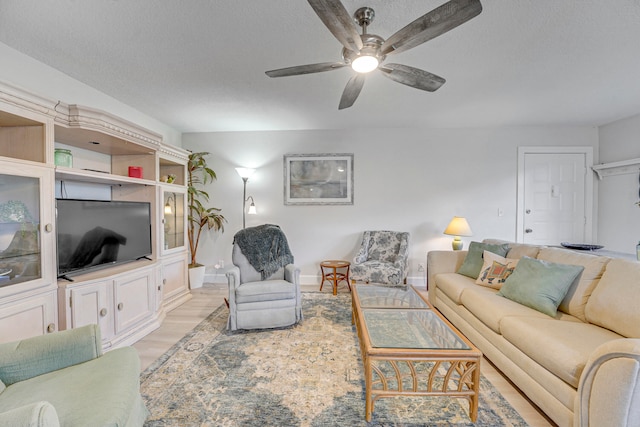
<point x="196" y="276"/>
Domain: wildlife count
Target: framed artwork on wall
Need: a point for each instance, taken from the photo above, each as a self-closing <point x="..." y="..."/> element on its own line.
<point x="318" y="179"/>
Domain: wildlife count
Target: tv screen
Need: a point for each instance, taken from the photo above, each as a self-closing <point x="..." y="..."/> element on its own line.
<point x="94" y="233"/>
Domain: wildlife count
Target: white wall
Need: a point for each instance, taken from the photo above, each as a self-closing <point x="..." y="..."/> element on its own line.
<point x="619" y="217"/>
<point x="24" y="72"/>
<point x="412" y="180"/>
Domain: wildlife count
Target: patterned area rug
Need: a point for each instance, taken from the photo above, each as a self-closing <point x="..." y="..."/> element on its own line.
<point x="305" y="375"/>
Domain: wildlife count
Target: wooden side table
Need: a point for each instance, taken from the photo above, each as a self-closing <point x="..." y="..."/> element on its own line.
<point x="330" y="272"/>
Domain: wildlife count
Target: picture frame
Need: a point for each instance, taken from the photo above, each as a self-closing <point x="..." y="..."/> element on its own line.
<point x="318" y="179"/>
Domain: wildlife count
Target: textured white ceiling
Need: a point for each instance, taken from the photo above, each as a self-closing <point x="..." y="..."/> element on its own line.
<point x="198" y="65"/>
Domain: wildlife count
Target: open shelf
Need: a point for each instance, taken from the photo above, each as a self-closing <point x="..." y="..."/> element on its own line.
<point x="80" y="175"/>
<point x="22" y="138"/>
<point x="617" y="168"/>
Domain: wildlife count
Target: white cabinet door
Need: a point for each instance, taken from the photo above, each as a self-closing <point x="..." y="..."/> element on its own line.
<point x="175" y="280"/>
<point x="91" y="304"/>
<point x="26" y="228"/>
<point x="134" y="298"/>
<point x="29" y="317"/>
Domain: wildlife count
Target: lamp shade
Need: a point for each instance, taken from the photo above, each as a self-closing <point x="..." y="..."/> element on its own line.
<point x="458" y="227"/>
<point x="245" y="172"/>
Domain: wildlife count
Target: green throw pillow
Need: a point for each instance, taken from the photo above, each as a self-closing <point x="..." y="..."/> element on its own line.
<point x="539" y="284"/>
<point x="472" y="263"/>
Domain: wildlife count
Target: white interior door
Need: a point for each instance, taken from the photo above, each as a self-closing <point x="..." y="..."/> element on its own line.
<point x="555" y="197"/>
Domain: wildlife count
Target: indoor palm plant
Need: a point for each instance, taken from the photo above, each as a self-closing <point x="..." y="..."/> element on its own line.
<point x="199" y="174"/>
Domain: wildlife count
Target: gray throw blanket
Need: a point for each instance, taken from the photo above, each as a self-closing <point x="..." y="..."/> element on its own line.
<point x="265" y="247"/>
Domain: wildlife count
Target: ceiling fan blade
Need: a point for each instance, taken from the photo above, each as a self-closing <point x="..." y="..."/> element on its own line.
<point x="431" y="25"/>
<point x="305" y="69"/>
<point x="351" y="91"/>
<point x="413" y="77"/>
<point x="336" y="18"/>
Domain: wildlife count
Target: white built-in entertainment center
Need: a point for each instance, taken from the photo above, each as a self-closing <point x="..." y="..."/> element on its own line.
<point x="127" y="300"/>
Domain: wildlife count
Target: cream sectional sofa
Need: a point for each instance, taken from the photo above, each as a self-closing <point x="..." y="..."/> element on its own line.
<point x="581" y="367"/>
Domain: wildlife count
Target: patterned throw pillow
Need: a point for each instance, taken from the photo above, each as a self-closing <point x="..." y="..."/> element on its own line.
<point x="495" y="270"/>
<point x="472" y="263"/>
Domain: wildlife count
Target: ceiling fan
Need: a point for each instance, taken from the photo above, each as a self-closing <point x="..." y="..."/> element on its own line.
<point x="367" y="52"/>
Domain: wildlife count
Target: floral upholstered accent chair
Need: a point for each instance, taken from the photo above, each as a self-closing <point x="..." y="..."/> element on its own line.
<point x="383" y="258"/>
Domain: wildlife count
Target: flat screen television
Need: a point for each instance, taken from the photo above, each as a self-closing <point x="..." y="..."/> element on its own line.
<point x="92" y="233"/>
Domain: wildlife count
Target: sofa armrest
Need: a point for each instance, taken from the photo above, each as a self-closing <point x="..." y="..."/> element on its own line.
<point x="609" y="389"/>
<point x="441" y="262"/>
<point x="21" y="360"/>
<point x="360" y="257"/>
<point x="363" y="251"/>
<point x="233" y="278"/>
<point x="38" y="414"/>
<point x="292" y="274"/>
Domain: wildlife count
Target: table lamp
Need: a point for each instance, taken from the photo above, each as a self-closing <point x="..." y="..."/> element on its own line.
<point x="458" y="227"/>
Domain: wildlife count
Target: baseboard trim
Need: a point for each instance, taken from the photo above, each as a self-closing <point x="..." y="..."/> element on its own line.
<point x="312" y="280"/>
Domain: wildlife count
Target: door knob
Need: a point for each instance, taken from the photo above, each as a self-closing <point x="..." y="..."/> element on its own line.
<point x="528" y="230"/>
<point x="528" y="211"/>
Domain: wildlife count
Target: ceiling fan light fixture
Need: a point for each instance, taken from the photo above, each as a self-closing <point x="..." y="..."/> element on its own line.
<point x="365" y="63"/>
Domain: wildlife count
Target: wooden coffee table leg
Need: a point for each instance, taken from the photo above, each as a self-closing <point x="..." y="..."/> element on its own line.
<point x="368" y="405"/>
<point x="473" y="403"/>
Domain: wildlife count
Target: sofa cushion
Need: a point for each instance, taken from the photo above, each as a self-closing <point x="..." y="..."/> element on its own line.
<point x="267" y="290"/>
<point x="578" y="295"/>
<point x="473" y="261"/>
<point x="490" y="308"/>
<point x="614" y="302"/>
<point x="247" y="272"/>
<point x="385" y="246"/>
<point x="103" y="391"/>
<point x="28" y="358"/>
<point x="539" y="284"/>
<point x="495" y="270"/>
<point x="517" y="250"/>
<point x="453" y="284"/>
<point x="562" y="347"/>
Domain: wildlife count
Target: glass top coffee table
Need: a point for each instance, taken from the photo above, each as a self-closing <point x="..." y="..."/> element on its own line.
<point x="409" y="349"/>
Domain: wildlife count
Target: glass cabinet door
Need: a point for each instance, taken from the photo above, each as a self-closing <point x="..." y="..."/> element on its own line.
<point x="174" y="220"/>
<point x="20" y="240"/>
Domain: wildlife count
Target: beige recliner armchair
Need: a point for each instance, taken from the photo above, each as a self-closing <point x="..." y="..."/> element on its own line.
<point x="264" y="285"/>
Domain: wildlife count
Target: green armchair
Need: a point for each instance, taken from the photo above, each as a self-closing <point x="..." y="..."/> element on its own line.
<point x="64" y="379"/>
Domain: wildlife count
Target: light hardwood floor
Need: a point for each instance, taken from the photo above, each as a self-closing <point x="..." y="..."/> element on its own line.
<point x="185" y="317"/>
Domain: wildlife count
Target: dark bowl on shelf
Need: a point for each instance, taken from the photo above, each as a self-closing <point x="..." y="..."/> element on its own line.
<point x="581" y="246"/>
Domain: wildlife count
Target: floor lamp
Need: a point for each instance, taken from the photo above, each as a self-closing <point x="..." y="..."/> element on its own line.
<point x="245" y="173"/>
